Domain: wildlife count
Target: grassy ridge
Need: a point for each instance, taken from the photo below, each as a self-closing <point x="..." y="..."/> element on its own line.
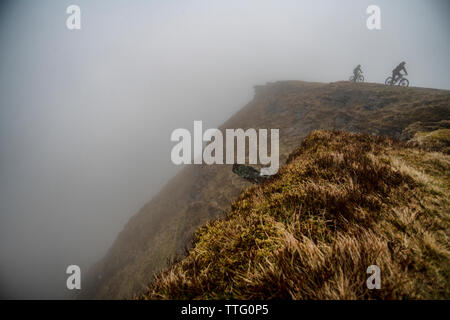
<point x="164" y="226"/>
<point x="342" y="202"/>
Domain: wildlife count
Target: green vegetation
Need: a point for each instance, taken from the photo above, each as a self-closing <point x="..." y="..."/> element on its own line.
<point x="341" y="203"/>
<point x="437" y="140"/>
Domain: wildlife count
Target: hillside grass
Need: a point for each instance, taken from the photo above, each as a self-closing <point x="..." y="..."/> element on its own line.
<point x="165" y="225"/>
<point x="342" y="202"/>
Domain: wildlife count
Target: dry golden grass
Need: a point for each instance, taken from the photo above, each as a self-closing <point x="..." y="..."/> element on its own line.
<point x="342" y="202"/>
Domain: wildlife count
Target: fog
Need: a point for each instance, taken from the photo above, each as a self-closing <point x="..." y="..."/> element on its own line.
<point x="86" y="115"/>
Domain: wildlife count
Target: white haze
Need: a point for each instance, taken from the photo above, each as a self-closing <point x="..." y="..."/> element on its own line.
<point x="86" y="116"/>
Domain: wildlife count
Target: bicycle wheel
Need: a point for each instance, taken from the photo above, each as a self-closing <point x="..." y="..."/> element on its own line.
<point x="352" y="78"/>
<point x="388" y="81"/>
<point x="404" y="82"/>
<point x="361" y="78"/>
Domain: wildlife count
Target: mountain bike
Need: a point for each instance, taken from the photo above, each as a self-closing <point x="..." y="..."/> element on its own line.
<point x="359" y="78"/>
<point x="400" y="81"/>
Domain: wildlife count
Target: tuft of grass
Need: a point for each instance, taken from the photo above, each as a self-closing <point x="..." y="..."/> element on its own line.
<point x="341" y="203"/>
<point x="437" y="140"/>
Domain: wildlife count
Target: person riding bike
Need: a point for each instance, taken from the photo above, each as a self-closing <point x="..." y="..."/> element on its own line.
<point x="356" y="72"/>
<point x="396" y="72"/>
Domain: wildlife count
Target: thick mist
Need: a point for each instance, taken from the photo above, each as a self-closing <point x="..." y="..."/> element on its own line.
<point x="86" y="115"/>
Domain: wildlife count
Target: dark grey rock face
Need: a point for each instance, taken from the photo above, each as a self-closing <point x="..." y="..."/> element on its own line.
<point x="248" y="173"/>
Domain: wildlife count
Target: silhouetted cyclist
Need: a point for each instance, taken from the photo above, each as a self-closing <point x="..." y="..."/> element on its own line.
<point x="356" y="72"/>
<point x="396" y="72"/>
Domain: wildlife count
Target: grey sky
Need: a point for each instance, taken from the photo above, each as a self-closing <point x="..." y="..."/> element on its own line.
<point x="86" y="116"/>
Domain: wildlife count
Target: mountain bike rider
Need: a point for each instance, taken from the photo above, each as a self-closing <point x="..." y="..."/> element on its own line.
<point x="356" y="72"/>
<point x="396" y="72"/>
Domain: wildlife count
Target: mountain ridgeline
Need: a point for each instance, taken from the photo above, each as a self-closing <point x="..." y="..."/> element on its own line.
<point x="408" y="119"/>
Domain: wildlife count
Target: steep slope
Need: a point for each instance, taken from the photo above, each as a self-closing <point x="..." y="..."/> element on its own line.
<point x="344" y="201"/>
<point x="164" y="227"/>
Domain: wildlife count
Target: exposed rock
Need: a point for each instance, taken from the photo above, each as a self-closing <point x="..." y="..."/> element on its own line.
<point x="248" y="173"/>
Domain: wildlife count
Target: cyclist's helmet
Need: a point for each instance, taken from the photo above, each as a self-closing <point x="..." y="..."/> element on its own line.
<point x="403" y="63"/>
